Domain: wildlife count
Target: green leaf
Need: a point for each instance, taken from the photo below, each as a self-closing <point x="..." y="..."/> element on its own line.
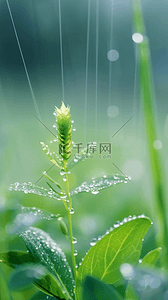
<point x="97" y="184"/>
<point x="148" y="284"/>
<point x="97" y="290"/>
<point x="41" y="296"/>
<point x="151" y="258"/>
<point x="46" y="252"/>
<point x="33" y="189"/>
<point x="25" y="275"/>
<point x="48" y="284"/>
<point x="51" y="154"/>
<point x="16" y="258"/>
<point x="130" y="293"/>
<point x="4" y="290"/>
<point x="28" y="216"/>
<point x="121" y="245"/>
<point x="158" y="178"/>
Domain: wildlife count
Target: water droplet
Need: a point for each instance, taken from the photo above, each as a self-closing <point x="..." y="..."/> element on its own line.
<point x="116" y="224"/>
<point x="74" y="129"/>
<point x="74" y="240"/>
<point x="64" y="178"/>
<point x="71" y="211"/>
<point x="93" y="242"/>
<point x="75" y="252"/>
<point x="125" y="220"/>
<point x="75" y="160"/>
<point x="44" y="173"/>
<point x="94" y="192"/>
<point x="140" y="261"/>
<point x="72" y="121"/>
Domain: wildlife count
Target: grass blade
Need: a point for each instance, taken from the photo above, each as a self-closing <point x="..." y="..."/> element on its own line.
<point x="148" y="104"/>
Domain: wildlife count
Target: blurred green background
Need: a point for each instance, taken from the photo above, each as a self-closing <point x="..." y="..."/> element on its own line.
<point x="111" y="84"/>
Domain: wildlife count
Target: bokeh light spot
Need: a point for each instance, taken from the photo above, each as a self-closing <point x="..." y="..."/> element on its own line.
<point x="157" y="144"/>
<point x="133" y="168"/>
<point x="137" y="38"/>
<point x="127" y="271"/>
<point x="88" y="224"/>
<point x="112" y="111"/>
<point x="166" y="295"/>
<point x="112" y="55"/>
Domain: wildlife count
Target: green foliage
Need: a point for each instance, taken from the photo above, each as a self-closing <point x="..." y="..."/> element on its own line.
<point x="41" y="296"/>
<point x="45" y="251"/>
<point x="27" y="274"/>
<point x="150" y="259"/>
<point x="16" y="258"/>
<point x="147" y="283"/>
<point x="45" y="264"/>
<point x="100" y="183"/>
<point x="123" y="244"/>
<point x="97" y="290"/>
<point x="23" y="262"/>
<point x="149" y="111"/>
<point x="4" y="290"/>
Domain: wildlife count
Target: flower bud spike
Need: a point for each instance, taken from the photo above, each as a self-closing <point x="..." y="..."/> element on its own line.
<point x="64" y="130"/>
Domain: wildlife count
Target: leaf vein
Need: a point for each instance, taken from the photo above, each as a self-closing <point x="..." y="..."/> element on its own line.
<point x="105" y="271"/>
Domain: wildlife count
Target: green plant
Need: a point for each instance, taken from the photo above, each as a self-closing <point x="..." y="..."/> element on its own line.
<point x="148" y="105"/>
<point x="45" y="265"/>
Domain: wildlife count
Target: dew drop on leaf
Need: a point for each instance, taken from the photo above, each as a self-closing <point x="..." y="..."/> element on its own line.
<point x="74" y="240"/>
<point x="94" y="192"/>
<point x="71" y="211"/>
<point x="93" y="242"/>
<point x="116" y="224"/>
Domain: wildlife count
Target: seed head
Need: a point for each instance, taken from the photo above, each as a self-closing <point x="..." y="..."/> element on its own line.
<point x="64" y="130"/>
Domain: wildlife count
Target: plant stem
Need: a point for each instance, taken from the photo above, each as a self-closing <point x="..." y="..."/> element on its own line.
<point x="148" y="103"/>
<point x="70" y="221"/>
